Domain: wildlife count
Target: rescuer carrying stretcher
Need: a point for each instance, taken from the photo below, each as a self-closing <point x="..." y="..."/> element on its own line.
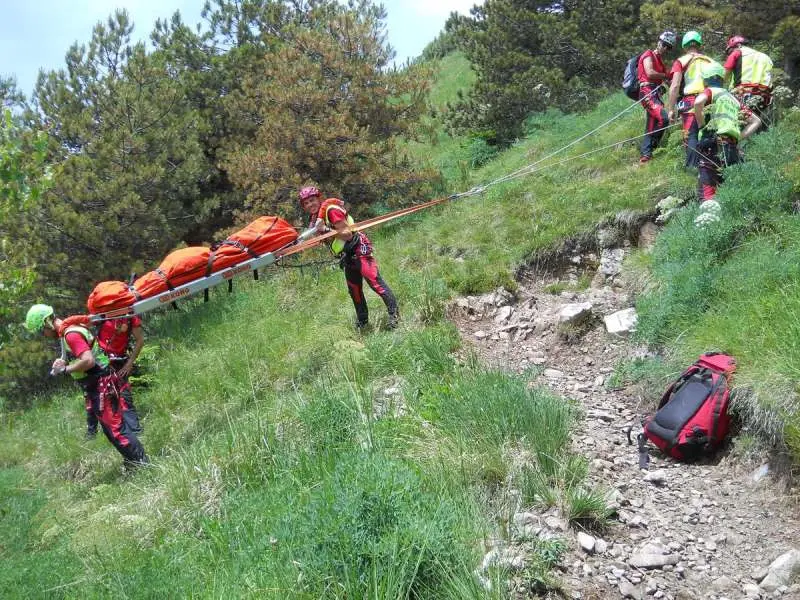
<point x="87" y="364"/>
<point x="354" y="251"/>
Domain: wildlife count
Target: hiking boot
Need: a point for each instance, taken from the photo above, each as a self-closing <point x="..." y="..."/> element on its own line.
<point x="645" y="159"/>
<point x="393" y="321"/>
<point x="362" y="326"/>
<point x="91" y="433"/>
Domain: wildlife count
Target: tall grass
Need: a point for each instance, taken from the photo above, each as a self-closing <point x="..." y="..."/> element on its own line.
<point x="733" y="286"/>
<point x="282" y="465"/>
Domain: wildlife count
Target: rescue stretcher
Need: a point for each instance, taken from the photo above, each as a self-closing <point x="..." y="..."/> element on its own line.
<point x="187" y="289"/>
<point x="136" y="304"/>
<point x="188" y="271"/>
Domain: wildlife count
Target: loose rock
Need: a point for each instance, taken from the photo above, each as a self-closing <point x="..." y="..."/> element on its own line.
<point x="628" y="590"/>
<point x="586" y="542"/>
<point x="782" y="571"/>
<point x="575" y="314"/>
<point x="658" y="477"/>
<point x="621" y="322"/>
<point x="653" y="561"/>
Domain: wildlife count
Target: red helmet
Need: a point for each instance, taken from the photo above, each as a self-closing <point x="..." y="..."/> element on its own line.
<point x="735" y="41"/>
<point x="308" y="192"/>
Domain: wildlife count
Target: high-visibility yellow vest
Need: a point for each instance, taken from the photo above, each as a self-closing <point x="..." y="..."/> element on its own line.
<point x="693" y="75"/>
<point x="723" y="113"/>
<point x="100" y="358"/>
<point x="756" y="67"/>
<point x="337" y="245"/>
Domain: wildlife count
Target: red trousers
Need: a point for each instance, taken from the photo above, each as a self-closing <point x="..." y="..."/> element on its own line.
<point x="357" y="269"/>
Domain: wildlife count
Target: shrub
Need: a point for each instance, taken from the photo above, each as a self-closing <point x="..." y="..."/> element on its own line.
<point x="480" y="151"/>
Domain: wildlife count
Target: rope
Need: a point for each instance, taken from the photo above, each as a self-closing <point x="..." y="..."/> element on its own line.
<point x="572" y="143"/>
<point x="585" y="154"/>
<point x="359" y="226"/>
<point x="316" y="241"/>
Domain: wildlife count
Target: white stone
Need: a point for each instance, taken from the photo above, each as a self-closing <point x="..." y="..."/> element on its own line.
<point x="503" y="314"/>
<point x="652" y="561"/>
<point x="760" y="473"/>
<point x="782" y="571"/>
<point x="657" y="477"/>
<point x="586" y="542"/>
<point x="654" y="547"/>
<point x="750" y="590"/>
<point x="575" y="313"/>
<point x="555" y="523"/>
<point x="621" y="322"/>
<point x="553" y="373"/>
<point x="481" y="335"/>
<point x="628" y="590"/>
<point x="759" y="573"/>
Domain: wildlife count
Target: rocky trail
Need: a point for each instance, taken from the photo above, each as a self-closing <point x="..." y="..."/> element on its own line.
<point x="726" y="528"/>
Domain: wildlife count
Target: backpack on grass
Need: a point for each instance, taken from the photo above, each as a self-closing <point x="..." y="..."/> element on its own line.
<point x="692" y="418"/>
<point x="630" y="78"/>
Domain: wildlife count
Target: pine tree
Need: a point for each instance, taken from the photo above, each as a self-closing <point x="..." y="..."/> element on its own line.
<point x="127" y="144"/>
<point x="24" y="177"/>
<point x="533" y="55"/>
<point x="323" y="107"/>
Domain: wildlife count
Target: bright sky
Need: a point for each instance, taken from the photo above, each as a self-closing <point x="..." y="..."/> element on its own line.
<point x="36" y="34"/>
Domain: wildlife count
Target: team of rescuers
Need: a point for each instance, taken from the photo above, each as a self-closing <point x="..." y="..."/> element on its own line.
<point x="718" y="106"/>
<point x="101" y="363"/>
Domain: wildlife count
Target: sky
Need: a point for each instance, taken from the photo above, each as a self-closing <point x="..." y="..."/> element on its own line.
<point x="36" y="34"/>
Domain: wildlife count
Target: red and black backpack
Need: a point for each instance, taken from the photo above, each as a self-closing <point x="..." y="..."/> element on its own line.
<point x="692" y="418"/>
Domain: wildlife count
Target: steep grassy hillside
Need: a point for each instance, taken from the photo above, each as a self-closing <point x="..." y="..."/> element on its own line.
<point x="294" y="458"/>
<point x="732" y="286"/>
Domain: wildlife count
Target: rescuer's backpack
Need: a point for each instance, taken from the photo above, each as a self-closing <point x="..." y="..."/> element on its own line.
<point x="692" y="418"/>
<point x="630" y="78"/>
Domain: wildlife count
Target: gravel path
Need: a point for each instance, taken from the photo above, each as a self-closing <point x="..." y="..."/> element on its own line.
<point x="696" y="531"/>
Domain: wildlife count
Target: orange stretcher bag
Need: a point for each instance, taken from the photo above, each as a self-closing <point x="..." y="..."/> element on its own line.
<point x="265" y="234"/>
<point x="179" y="267"/>
<point x="110" y="295"/>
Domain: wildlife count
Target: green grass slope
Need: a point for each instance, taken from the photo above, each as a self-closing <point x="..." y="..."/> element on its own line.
<point x="733" y="286"/>
<point x="293" y="458"/>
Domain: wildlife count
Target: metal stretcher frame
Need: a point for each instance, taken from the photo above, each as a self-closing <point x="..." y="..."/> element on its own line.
<point x="186" y="290"/>
<point x="308" y="239"/>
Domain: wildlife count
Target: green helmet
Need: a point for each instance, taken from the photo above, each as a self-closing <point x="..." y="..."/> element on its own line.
<point x="692" y="36"/>
<point x="713" y="69"/>
<point x="37" y="315"/>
